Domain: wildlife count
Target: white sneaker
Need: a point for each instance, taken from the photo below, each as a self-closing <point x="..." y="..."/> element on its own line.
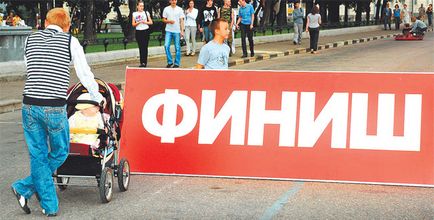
<point x="49" y="214"/>
<point x="21" y="201"/>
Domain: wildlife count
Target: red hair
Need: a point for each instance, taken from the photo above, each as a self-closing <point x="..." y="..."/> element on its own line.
<point x="59" y="17"/>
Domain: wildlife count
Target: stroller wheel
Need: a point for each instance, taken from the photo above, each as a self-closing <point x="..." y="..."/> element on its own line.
<point x="64" y="180"/>
<point x="106" y="185"/>
<point x="123" y="175"/>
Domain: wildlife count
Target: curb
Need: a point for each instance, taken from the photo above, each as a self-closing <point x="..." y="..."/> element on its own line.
<point x="306" y="50"/>
<point x="10" y="105"/>
<point x="13" y="105"/>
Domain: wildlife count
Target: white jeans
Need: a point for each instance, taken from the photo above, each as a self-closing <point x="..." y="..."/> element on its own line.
<point x="190" y="32"/>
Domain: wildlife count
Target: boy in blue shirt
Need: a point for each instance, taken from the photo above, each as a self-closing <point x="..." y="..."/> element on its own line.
<point x="215" y="54"/>
<point x="246" y="18"/>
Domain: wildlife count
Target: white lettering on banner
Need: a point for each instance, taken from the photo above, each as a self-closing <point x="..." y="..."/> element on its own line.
<point x="234" y="108"/>
<point x="169" y="130"/>
<point x="384" y="140"/>
<point x="286" y="118"/>
<point x="310" y="129"/>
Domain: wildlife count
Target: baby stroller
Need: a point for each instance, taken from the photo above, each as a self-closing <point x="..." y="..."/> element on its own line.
<point x="101" y="163"/>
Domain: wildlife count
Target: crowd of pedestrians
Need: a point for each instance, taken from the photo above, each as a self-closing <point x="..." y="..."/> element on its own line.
<point x="404" y="16"/>
<point x="193" y="21"/>
<point x="184" y="25"/>
<point x="209" y="21"/>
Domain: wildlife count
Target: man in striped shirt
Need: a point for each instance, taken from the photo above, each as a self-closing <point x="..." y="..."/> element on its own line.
<point x="48" y="54"/>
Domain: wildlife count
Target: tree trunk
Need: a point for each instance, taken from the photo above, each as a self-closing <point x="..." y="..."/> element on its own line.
<point x="359" y="9"/>
<point x="282" y="15"/>
<point x="377" y="11"/>
<point x="121" y="20"/>
<point x="368" y="12"/>
<point x="346" y="14"/>
<point x="89" y="22"/>
<point x="323" y="11"/>
<point x="132" y="4"/>
<point x="382" y="8"/>
<point x="333" y="15"/>
<point x="44" y="11"/>
<point x="309" y="6"/>
<point x="267" y="13"/>
<point x="260" y="6"/>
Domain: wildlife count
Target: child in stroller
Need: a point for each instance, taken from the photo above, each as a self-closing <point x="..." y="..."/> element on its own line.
<point x="87" y="116"/>
<point x="94" y="146"/>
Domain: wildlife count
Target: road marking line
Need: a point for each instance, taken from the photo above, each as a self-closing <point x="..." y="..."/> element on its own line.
<point x="275" y="208"/>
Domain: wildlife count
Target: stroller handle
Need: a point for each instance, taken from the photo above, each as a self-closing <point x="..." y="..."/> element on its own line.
<point x="86" y="131"/>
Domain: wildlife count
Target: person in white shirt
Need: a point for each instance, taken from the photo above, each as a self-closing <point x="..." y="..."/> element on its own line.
<point x="405" y="15"/>
<point x="141" y="20"/>
<point x="173" y="16"/>
<point x="191" y="28"/>
<point x="312" y="27"/>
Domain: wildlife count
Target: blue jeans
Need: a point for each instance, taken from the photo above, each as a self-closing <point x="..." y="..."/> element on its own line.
<point x="176" y="37"/>
<point x="207" y="34"/>
<point x="387" y="22"/>
<point x="44" y="127"/>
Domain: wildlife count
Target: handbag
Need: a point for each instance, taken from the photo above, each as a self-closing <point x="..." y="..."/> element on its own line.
<point x="182" y="42"/>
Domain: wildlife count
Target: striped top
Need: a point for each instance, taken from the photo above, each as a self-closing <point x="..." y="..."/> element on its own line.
<point x="48" y="56"/>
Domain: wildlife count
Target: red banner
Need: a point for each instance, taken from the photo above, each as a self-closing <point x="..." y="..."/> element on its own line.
<point x="327" y="126"/>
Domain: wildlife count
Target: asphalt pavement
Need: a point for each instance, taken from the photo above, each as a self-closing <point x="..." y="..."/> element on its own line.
<point x="179" y="197"/>
<point x="384" y="55"/>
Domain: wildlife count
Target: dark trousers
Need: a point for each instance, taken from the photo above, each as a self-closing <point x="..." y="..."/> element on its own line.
<point x="142" y="38"/>
<point x="387" y="22"/>
<point x="397" y="22"/>
<point x="314" y="35"/>
<point x="245" y="30"/>
<point x="429" y="19"/>
<point x="420" y="30"/>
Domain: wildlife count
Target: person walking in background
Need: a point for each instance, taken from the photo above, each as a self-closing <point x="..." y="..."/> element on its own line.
<point x="208" y="14"/>
<point x="313" y="22"/>
<point x="387" y="16"/>
<point x="246" y="16"/>
<point x="422" y="13"/>
<point x="190" y="28"/>
<point x="405" y="15"/>
<point x="173" y="16"/>
<point x="297" y="17"/>
<point x="141" y="20"/>
<point x="227" y="13"/>
<point x="215" y="54"/>
<point x="429" y="14"/>
<point x="48" y="54"/>
<point x="397" y="16"/>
